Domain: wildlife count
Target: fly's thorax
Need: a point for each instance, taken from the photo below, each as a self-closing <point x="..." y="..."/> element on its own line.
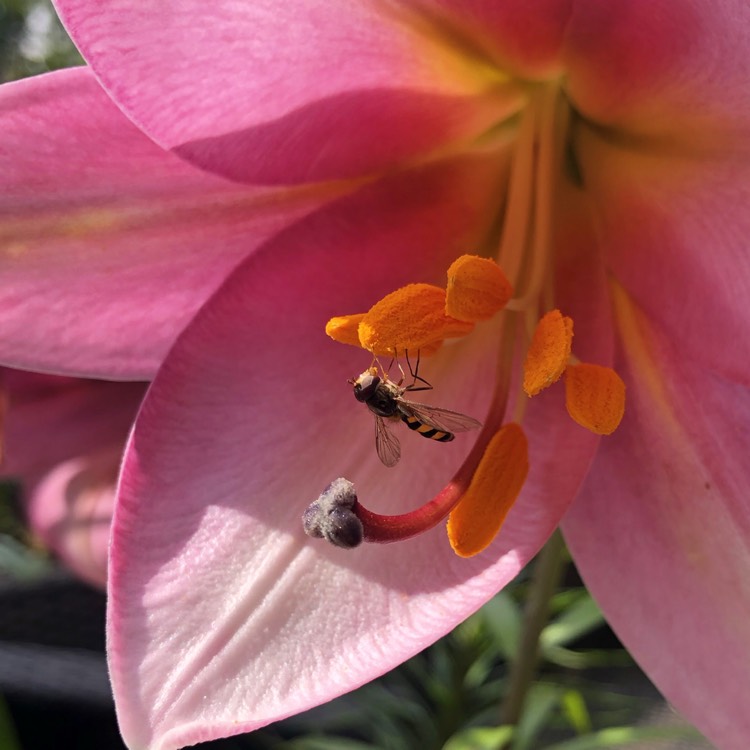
<point x="383" y="400"/>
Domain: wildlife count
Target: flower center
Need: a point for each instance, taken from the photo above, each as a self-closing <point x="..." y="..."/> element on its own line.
<point x="417" y="319"/>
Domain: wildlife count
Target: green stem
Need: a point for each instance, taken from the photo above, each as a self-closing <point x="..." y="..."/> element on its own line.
<point x="544" y="583"/>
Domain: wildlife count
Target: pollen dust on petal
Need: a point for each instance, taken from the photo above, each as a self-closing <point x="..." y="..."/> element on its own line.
<point x="595" y="397"/>
<point x="411" y="318"/>
<point x="496" y="484"/>
<point x="548" y="352"/>
<point x="477" y="289"/>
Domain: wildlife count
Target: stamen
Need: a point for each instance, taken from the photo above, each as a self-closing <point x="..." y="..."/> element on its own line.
<point x="411" y="318"/>
<point x="595" y="397"/>
<point x="345" y="328"/>
<point x="477" y="289"/>
<point x="494" y="488"/>
<point x="548" y="352"/>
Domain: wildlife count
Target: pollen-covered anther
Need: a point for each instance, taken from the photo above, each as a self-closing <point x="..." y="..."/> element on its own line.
<point x="494" y="488"/>
<point x="595" y="397"/>
<point x="548" y="352"/>
<point x="411" y="318"/>
<point x="345" y="328"/>
<point x="477" y="289"/>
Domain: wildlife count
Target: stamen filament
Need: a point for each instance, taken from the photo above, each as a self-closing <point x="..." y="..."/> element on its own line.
<point x="518" y="204"/>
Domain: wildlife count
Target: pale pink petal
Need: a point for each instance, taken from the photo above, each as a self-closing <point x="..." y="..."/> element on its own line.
<point x="674" y="70"/>
<point x="674" y="229"/>
<point x="71" y="511"/>
<point x="286" y="92"/>
<point x="223" y="615"/>
<point x="660" y="532"/>
<point x="108" y="244"/>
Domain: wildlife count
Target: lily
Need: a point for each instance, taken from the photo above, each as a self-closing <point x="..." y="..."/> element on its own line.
<point x="596" y="151"/>
<point x="64" y="439"/>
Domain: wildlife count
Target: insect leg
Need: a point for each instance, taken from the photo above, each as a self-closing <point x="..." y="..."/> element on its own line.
<point x="414" y="372"/>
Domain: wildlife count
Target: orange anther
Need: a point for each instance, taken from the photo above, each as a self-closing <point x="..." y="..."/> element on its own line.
<point x="496" y="484"/>
<point x="410" y="319"/>
<point x="595" y="397"/>
<point x="345" y="328"/>
<point x="477" y="289"/>
<point x="548" y="353"/>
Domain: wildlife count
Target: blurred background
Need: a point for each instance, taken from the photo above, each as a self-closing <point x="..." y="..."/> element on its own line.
<point x="539" y="652"/>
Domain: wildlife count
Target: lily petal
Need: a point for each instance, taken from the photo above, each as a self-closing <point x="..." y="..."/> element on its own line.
<point x="71" y="510"/>
<point x="64" y="439"/>
<point x="524" y="37"/>
<point x="223" y="615"/>
<point x="684" y="219"/>
<point x="108" y="244"/>
<point x="657" y="68"/>
<point x="660" y="530"/>
<point x="51" y="419"/>
<point x="357" y="88"/>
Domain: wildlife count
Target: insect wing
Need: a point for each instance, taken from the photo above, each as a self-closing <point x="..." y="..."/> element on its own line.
<point x="386" y="443"/>
<point x="441" y="419"/>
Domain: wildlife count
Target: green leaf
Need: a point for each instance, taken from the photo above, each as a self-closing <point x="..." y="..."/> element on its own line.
<point x="575" y="711"/>
<point x="541" y="702"/>
<point x="325" y="742"/>
<point x="480" y="738"/>
<point x="620" y="736"/>
<point x="579" y="618"/>
<point x="8" y="737"/>
<point x="503" y="619"/>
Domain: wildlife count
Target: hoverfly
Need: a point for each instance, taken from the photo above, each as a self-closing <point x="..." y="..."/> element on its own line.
<point x="385" y="399"/>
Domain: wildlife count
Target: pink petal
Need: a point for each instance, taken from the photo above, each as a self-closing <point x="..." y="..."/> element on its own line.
<point x="661" y="68"/>
<point x="523" y="37"/>
<point x="223" y="615"/>
<point x="660" y="532"/>
<point x="675" y="228"/>
<point x="286" y="92"/>
<point x="52" y="419"/>
<point x="64" y="439"/>
<point x="71" y="510"/>
<point x="109" y="243"/>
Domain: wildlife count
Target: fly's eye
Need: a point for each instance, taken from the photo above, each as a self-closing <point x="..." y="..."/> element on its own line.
<point x="365" y="387"/>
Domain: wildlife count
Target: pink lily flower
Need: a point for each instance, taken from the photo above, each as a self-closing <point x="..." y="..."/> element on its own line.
<point x="64" y="439"/>
<point x="597" y="150"/>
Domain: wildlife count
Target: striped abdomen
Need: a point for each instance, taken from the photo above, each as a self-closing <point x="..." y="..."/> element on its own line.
<point x="426" y="430"/>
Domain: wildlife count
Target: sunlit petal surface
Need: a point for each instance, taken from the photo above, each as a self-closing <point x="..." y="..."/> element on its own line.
<point x="108" y="244"/>
<point x="357" y="87"/>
